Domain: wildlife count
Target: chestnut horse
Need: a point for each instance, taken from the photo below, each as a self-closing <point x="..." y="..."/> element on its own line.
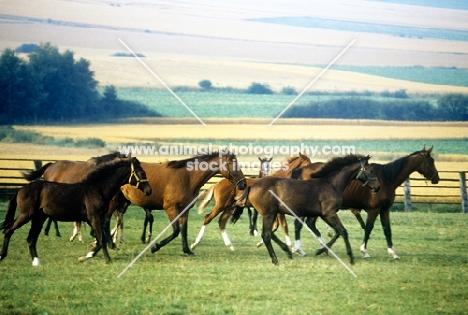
<point x="177" y="183"/>
<point x="224" y="196"/>
<point x="391" y="176"/>
<point x="317" y="196"/>
<point x="86" y="201"/>
<point x="71" y="172"/>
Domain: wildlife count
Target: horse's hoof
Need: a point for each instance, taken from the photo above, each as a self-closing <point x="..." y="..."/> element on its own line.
<point x="231" y="247"/>
<point x="259" y="244"/>
<point x="190" y="253"/>
<point x="299" y="251"/>
<point x="36" y="262"/>
<point x="192" y="247"/>
<point x="274" y="261"/>
<point x="82" y="258"/>
<point x="155" y="248"/>
<point x="321" y="251"/>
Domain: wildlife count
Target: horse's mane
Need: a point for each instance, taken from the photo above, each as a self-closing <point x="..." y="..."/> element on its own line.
<point x="337" y="163"/>
<point x="105" y="158"/>
<point x="105" y="168"/>
<point x="200" y="158"/>
<point x="391" y="169"/>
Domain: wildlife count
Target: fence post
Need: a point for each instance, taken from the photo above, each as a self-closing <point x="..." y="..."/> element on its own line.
<point x="37" y="164"/>
<point x="464" y="198"/>
<point x="407" y="189"/>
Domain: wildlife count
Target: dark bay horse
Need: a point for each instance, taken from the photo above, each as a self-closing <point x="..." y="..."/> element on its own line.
<point x="320" y="196"/>
<point x="71" y="172"/>
<point x="177" y="183"/>
<point x="224" y="196"/>
<point x="391" y="176"/>
<point x="86" y="201"/>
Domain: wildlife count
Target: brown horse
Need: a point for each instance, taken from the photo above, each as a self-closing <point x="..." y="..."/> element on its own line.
<point x="318" y="196"/>
<point x="391" y="176"/>
<point x="71" y="172"/>
<point x="177" y="183"/>
<point x="86" y="201"/>
<point x="224" y="196"/>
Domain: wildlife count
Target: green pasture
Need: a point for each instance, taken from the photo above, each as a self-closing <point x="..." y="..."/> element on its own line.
<point x="430" y="278"/>
<point x="229" y="103"/>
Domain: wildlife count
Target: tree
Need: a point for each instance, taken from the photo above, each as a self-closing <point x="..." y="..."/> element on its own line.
<point x="20" y="89"/>
<point x="453" y="107"/>
<point x="257" y="88"/>
<point x="205" y="84"/>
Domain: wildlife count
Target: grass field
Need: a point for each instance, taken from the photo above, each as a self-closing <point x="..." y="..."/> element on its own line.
<point x="430" y="278"/>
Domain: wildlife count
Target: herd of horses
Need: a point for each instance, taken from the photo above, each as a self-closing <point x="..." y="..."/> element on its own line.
<point x="95" y="190"/>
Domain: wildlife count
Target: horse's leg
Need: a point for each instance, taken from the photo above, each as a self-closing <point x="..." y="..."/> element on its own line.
<point x="36" y="227"/>
<point x="267" y="233"/>
<point x="297" y="238"/>
<point x="283" y="246"/>
<point x="253" y="215"/>
<point x="334" y="221"/>
<point x="171" y="214"/>
<point x="101" y="241"/>
<point x="222" y="227"/>
<point x="385" y="220"/>
<point x="207" y="220"/>
<point x="77" y="232"/>
<point x="253" y="230"/>
<point x="21" y="220"/>
<point x="276" y="224"/>
<point x="183" y="221"/>
<point x="149" y="219"/>
<point x="118" y="206"/>
<point x="57" y="232"/>
<point x="357" y="214"/>
<point x="284" y="225"/>
<point x="47" y="227"/>
<point x="371" y="217"/>
<point x="117" y="232"/>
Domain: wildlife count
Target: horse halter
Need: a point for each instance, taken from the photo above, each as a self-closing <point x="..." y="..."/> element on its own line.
<point x="134" y="174"/>
<point x="363" y="170"/>
<point x="426" y="164"/>
<point x="233" y="177"/>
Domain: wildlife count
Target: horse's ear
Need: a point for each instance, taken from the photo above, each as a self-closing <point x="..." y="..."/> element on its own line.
<point x="129" y="155"/>
<point x="269" y="160"/>
<point x="428" y="151"/>
<point x="260" y="159"/>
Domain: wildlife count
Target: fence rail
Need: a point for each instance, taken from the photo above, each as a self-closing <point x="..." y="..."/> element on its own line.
<point x="451" y="188"/>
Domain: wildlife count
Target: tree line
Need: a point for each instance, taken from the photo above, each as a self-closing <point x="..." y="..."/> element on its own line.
<point x="49" y="86"/>
<point x="450" y="107"/>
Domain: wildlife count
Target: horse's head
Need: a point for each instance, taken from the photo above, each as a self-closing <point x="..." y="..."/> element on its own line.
<point x="427" y="168"/>
<point x="230" y="169"/>
<point x="265" y="168"/>
<point x="367" y="176"/>
<point x="138" y="177"/>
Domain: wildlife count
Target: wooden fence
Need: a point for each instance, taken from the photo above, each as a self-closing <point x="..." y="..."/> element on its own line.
<point x="451" y="188"/>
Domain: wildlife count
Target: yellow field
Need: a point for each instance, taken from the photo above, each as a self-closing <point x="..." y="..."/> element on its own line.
<point x="226" y="129"/>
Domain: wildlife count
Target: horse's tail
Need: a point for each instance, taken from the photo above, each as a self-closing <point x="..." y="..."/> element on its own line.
<point x="207" y="199"/>
<point x="37" y="173"/>
<point x="239" y="205"/>
<point x="10" y="215"/>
